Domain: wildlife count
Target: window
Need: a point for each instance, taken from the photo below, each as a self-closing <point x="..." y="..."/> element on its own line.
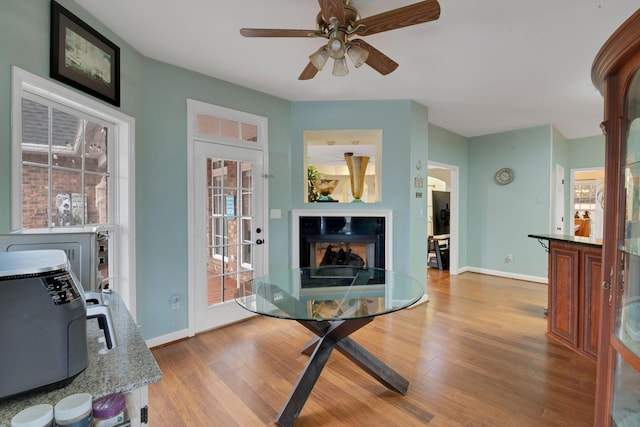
<point x="72" y="167"/>
<point x="65" y="166"/>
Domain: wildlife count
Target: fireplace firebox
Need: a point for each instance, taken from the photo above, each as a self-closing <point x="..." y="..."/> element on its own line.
<point x="342" y="240"/>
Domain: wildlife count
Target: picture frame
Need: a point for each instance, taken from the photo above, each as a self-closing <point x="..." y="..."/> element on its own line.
<point x="82" y="57"/>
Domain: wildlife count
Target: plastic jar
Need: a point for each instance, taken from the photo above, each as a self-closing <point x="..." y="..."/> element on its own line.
<point x="108" y="411"/>
<point x="34" y="416"/>
<point x="74" y="411"/>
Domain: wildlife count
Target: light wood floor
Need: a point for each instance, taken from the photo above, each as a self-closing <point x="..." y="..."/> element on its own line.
<point x="476" y="355"/>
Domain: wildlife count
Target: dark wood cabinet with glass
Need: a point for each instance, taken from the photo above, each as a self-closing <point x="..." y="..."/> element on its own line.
<point x="616" y="73"/>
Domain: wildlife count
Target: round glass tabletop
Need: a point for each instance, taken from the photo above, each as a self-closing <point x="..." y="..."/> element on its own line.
<point x="329" y="293"/>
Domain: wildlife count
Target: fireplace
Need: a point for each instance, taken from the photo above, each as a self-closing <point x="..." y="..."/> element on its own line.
<point x="326" y="238"/>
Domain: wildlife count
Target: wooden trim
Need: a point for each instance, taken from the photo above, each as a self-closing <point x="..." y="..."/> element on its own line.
<point x="622" y="44"/>
<point x="630" y="357"/>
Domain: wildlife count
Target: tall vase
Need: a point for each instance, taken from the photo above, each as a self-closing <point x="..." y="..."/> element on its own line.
<point x="357" y="169"/>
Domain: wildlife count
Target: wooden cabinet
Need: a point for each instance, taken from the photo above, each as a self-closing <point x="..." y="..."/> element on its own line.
<point x="616" y="73"/>
<point x="574" y="297"/>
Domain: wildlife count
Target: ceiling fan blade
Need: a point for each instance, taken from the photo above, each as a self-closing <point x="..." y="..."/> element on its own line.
<point x="309" y="72"/>
<point x="376" y="59"/>
<point x="331" y="8"/>
<point x="273" y="32"/>
<point x="418" y="13"/>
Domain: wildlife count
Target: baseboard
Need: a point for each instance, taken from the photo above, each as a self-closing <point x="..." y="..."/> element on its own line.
<point x="506" y="274"/>
<point x="166" y="339"/>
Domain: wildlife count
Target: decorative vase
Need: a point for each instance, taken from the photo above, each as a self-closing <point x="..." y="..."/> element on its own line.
<point x="357" y="170"/>
<point x="325" y="187"/>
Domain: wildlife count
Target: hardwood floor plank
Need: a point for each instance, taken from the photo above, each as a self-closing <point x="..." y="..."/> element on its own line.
<point x="475" y="355"/>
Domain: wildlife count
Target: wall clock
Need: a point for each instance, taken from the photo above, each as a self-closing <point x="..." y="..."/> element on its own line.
<point x="504" y="176"/>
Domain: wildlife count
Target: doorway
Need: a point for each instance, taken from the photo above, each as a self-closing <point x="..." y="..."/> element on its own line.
<point x="448" y="177"/>
<point x="587" y="202"/>
<point x="227" y="202"/>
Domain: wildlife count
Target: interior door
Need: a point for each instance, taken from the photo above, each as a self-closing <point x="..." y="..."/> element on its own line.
<point x="229" y="234"/>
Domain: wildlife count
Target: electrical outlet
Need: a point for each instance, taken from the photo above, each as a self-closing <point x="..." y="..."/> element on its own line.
<point x="508" y="259"/>
<point x="175" y="301"/>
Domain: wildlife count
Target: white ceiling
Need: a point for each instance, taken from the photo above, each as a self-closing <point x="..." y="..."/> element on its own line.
<point x="485" y="66"/>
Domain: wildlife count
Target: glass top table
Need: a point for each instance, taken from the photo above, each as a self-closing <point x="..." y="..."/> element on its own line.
<point x="332" y="302"/>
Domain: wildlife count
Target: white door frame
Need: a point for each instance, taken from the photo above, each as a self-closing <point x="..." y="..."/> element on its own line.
<point x="454" y="224"/>
<point x="557" y="225"/>
<point x="571" y="197"/>
<point x="193" y="109"/>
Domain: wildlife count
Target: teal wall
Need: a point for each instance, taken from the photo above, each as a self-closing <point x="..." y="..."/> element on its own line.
<point x="586" y="152"/>
<point x="404" y="142"/>
<point x="501" y="216"/>
<point x="453" y="149"/>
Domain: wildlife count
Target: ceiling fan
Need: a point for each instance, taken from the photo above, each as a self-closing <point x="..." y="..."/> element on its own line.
<point x="338" y="21"/>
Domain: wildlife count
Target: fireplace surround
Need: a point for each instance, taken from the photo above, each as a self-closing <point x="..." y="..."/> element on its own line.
<point x="342" y="237"/>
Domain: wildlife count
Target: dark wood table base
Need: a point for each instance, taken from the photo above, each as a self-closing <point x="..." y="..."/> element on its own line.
<point x="329" y="336"/>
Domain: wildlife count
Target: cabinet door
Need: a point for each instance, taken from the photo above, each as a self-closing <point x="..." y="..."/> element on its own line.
<point x="563" y="282"/>
<point x="625" y="340"/>
<point x="590" y="304"/>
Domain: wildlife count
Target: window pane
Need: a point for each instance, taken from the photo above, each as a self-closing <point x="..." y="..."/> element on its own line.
<point x="214" y="172"/>
<point x="246" y="255"/>
<point x="229" y="128"/>
<point x="67" y="202"/>
<point x="231" y="261"/>
<point x="247" y="208"/>
<point x="95" y="143"/>
<point x="208" y="125"/>
<point x="65" y="149"/>
<point x="247" y="175"/>
<point x="35" y="132"/>
<point x="215" y="232"/>
<point x="70" y="147"/>
<point x="246" y="231"/>
<point x="35" y="193"/>
<point x="249" y="132"/>
<point x="95" y="188"/>
<point x="216" y="203"/>
<point x="230" y="173"/>
<point x="214" y="290"/>
<point x="230" y="286"/>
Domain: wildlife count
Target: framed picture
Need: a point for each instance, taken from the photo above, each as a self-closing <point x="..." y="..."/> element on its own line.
<point x="83" y="58"/>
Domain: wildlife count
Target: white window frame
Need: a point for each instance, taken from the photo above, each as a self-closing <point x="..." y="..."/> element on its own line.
<point x="122" y="203"/>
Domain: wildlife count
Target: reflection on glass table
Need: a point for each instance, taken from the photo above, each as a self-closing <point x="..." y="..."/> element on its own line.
<point x="332" y="302"/>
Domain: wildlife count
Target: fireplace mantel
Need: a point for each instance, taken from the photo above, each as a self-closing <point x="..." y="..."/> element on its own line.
<point x="385" y="215"/>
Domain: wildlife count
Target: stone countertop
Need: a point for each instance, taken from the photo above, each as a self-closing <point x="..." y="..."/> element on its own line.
<point x="568" y="238"/>
<point x="128" y="366"/>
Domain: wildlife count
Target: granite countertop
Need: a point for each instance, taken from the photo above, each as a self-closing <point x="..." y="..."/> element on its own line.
<point x="568" y="238"/>
<point x="128" y="366"/>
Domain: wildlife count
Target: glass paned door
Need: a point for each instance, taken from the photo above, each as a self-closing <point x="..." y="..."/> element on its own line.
<point x="229" y="205"/>
<point x="229" y="225"/>
<point x="626" y="341"/>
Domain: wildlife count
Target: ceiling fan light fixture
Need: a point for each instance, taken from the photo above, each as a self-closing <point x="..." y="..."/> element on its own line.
<point x="357" y="54"/>
<point x="319" y="58"/>
<point x="340" y="67"/>
<point x="336" y="48"/>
